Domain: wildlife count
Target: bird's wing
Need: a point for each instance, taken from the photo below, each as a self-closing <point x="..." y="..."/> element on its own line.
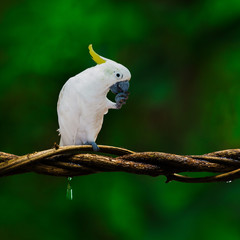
<point x="69" y="114"/>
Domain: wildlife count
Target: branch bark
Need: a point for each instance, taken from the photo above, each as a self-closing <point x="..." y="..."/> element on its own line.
<point x="80" y="160"/>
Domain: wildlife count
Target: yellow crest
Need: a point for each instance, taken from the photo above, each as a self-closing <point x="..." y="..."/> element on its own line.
<point x="96" y="58"/>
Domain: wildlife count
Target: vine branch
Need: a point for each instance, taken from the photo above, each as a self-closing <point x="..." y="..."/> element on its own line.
<point x="81" y="160"/>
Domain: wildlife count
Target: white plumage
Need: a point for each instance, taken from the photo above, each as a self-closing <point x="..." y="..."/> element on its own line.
<point x="83" y="101"/>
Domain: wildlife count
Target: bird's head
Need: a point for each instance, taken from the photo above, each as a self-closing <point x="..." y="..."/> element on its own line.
<point x="116" y="75"/>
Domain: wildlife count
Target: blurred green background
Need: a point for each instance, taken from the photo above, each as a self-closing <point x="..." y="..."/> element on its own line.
<point x="184" y="57"/>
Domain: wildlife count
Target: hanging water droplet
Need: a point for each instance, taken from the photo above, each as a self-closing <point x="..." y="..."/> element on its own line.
<point x="229" y="181"/>
<point x="69" y="194"/>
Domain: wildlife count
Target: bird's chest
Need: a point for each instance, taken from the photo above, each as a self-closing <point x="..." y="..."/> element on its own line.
<point x="94" y="111"/>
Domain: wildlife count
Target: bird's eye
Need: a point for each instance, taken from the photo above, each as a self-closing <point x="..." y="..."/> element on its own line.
<point x="118" y="75"/>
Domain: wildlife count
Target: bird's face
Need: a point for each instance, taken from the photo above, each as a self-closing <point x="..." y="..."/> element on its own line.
<point x="118" y="77"/>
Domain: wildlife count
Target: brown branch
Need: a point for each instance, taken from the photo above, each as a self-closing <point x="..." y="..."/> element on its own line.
<point x="81" y="160"/>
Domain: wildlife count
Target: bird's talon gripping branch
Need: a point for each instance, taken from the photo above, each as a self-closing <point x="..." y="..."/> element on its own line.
<point x="95" y="147"/>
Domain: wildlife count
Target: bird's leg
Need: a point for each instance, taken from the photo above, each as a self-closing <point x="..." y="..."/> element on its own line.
<point x="111" y="105"/>
<point x="94" y="146"/>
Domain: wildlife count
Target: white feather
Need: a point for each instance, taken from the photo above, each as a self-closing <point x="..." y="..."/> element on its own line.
<point x="82" y="103"/>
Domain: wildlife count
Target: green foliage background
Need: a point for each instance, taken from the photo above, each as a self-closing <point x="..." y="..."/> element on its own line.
<point x="184" y="59"/>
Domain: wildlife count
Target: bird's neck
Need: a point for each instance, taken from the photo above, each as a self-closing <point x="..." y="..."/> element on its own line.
<point x="98" y="89"/>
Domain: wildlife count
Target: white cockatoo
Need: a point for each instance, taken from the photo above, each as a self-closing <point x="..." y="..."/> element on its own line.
<point x="83" y="100"/>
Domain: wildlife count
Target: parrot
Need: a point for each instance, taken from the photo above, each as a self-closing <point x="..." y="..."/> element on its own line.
<point x="83" y="102"/>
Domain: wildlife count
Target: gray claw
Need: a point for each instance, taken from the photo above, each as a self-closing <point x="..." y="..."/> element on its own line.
<point x="121" y="97"/>
<point x="94" y="146"/>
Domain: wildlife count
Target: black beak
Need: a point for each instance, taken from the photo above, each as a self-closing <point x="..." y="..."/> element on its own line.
<point x="120" y="87"/>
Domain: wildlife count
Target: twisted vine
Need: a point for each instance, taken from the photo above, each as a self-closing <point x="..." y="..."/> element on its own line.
<point x="81" y="160"/>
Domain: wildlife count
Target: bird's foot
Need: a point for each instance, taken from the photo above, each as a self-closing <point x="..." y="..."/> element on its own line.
<point x="121" y="98"/>
<point x="94" y="146"/>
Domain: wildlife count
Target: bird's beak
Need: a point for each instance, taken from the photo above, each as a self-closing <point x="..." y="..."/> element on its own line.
<point x="120" y="87"/>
